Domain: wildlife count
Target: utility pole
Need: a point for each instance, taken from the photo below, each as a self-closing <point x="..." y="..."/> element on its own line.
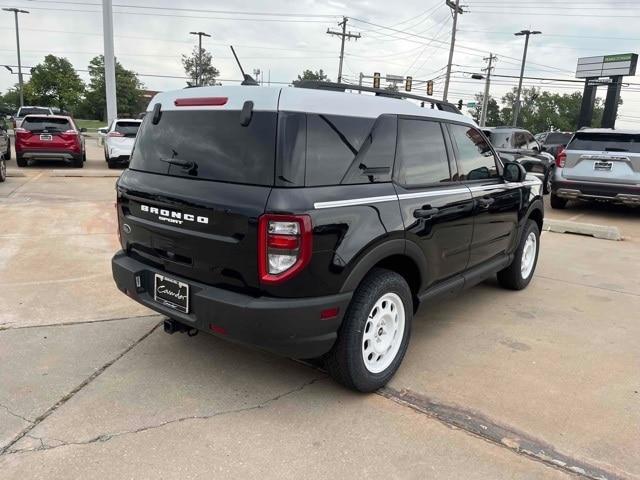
<point x="343" y="35"/>
<point x="16" y="11"/>
<point x="109" y="61"/>
<point x="487" y="83"/>
<point x="457" y="9"/>
<point x="516" y="107"/>
<point x="199" y="64"/>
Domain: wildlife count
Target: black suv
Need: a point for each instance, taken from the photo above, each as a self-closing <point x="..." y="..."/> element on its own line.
<point x="313" y="223"/>
<point x="519" y="145"/>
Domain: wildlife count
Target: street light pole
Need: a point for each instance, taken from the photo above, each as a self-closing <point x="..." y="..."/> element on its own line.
<point x="516" y="107"/>
<point x="199" y="63"/>
<point x="109" y="61"/>
<point x="16" y="11"/>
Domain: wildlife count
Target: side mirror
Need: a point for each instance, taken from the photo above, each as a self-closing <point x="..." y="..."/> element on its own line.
<point x="83" y="130"/>
<point x="514" y="172"/>
<point x="103" y="130"/>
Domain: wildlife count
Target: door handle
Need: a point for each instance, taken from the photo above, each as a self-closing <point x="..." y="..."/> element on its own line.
<point x="485" y="202"/>
<point x="426" y="212"/>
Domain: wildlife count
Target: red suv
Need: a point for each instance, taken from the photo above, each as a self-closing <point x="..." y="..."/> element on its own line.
<point x="49" y="137"/>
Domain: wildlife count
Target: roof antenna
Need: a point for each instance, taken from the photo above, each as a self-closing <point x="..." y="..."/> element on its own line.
<point x="248" y="79"/>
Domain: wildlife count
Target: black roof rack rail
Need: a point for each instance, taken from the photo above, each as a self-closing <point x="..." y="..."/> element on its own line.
<point x="341" y="87"/>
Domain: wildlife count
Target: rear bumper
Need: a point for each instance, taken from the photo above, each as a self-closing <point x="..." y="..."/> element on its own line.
<point x="289" y="327"/>
<point x="627" y="194"/>
<point x="117" y="153"/>
<point x="49" y="154"/>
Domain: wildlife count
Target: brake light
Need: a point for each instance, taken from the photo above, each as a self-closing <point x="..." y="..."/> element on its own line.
<point x="284" y="246"/>
<point x="20" y="130"/>
<point x="561" y="158"/>
<point x="115" y="134"/>
<point x="200" y="102"/>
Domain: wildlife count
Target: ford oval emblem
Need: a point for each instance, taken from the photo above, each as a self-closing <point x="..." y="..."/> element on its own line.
<point x="126" y="228"/>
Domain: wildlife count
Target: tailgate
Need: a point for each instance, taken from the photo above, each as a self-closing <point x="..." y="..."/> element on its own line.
<point x="602" y="167"/>
<point x="200" y="230"/>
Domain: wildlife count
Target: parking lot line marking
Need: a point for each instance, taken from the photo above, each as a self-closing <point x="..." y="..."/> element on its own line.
<point x="481" y="426"/>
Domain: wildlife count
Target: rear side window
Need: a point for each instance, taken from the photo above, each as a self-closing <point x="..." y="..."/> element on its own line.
<point x="475" y="158"/>
<point x="128" y="129"/>
<point x="605" y="142"/>
<point x="210" y="145"/>
<point x="422" y="154"/>
<point x="40" y="124"/>
<point x="315" y="149"/>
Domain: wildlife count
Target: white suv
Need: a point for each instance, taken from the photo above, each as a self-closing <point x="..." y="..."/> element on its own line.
<point x="119" y="140"/>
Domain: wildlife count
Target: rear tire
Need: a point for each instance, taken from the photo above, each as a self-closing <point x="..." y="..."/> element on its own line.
<point x="111" y="164"/>
<point x="3" y="170"/>
<point x="518" y="275"/>
<point x="374" y="334"/>
<point x="77" y="162"/>
<point x="557" y="202"/>
<point x="546" y="184"/>
<point x="7" y="154"/>
<point x="21" y="161"/>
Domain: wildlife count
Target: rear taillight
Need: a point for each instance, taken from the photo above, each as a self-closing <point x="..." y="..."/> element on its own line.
<point x="284" y="246"/>
<point x="560" y="158"/>
<point x="19" y="130"/>
<point x="115" y="134"/>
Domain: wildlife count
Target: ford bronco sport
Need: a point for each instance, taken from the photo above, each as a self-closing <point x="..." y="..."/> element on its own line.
<point x="314" y="223"/>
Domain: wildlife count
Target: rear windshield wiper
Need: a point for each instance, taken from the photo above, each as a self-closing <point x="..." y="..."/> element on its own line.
<point x="180" y="163"/>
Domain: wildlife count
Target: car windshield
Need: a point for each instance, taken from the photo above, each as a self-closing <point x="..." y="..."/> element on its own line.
<point x="602" y="142"/>
<point x="33" y="111"/>
<point x="558" y="138"/>
<point x="128" y="129"/>
<point x="41" y="124"/>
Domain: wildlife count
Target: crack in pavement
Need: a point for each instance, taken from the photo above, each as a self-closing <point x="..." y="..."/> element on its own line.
<point x="105" y="437"/>
<point x="15" y="414"/>
<point x="481" y="426"/>
<point x="81" y="322"/>
<point x="622" y="292"/>
<point x="75" y="390"/>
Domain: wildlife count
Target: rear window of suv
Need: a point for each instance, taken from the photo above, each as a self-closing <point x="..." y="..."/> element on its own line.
<point x="605" y="142"/>
<point x="40" y="124"/>
<point x="212" y="145"/>
<point x="33" y="111"/>
<point x="558" y="138"/>
<point x="128" y="129"/>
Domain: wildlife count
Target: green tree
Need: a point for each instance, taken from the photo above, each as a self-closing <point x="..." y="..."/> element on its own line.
<point x="318" y="76"/>
<point x="55" y="83"/>
<point x="493" y="110"/>
<point x="206" y="72"/>
<point x="128" y="91"/>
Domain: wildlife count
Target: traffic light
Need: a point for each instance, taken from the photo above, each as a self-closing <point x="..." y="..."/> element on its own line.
<point x="430" y="87"/>
<point x="376" y="80"/>
<point x="407" y="84"/>
<point x="460" y="105"/>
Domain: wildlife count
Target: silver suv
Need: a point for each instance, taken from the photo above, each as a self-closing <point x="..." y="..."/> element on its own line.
<point x="600" y="164"/>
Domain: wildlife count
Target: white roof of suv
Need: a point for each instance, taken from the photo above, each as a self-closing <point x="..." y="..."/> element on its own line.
<point x="306" y="100"/>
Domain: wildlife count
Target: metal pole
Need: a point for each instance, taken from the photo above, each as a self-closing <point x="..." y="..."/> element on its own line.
<point x="360" y="81"/>
<point x="456" y="9"/>
<point x="199" y="67"/>
<point x="16" y="11"/>
<point x="485" y="98"/>
<point x="109" y="61"/>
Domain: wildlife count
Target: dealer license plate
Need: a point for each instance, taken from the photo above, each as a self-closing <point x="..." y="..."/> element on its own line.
<point x="171" y="293"/>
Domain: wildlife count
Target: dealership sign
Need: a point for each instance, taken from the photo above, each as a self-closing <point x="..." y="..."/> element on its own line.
<point x="607" y="66"/>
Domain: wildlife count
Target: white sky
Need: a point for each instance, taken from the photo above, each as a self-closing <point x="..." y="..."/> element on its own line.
<point x="150" y="41"/>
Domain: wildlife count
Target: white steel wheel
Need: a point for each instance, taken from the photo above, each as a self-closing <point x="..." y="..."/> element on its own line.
<point x="529" y="255"/>
<point x="383" y="333"/>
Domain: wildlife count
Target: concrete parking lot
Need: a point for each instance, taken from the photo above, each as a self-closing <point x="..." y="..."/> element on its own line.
<point x="542" y="383"/>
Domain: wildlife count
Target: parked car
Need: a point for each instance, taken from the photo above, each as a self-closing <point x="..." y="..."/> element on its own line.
<point x="287" y="218"/>
<point x="49" y="137"/>
<point x="24" y="111"/>
<point x="118" y="141"/>
<point x="553" y="142"/>
<point x="5" y="149"/>
<point x="600" y="164"/>
<point x="518" y="145"/>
